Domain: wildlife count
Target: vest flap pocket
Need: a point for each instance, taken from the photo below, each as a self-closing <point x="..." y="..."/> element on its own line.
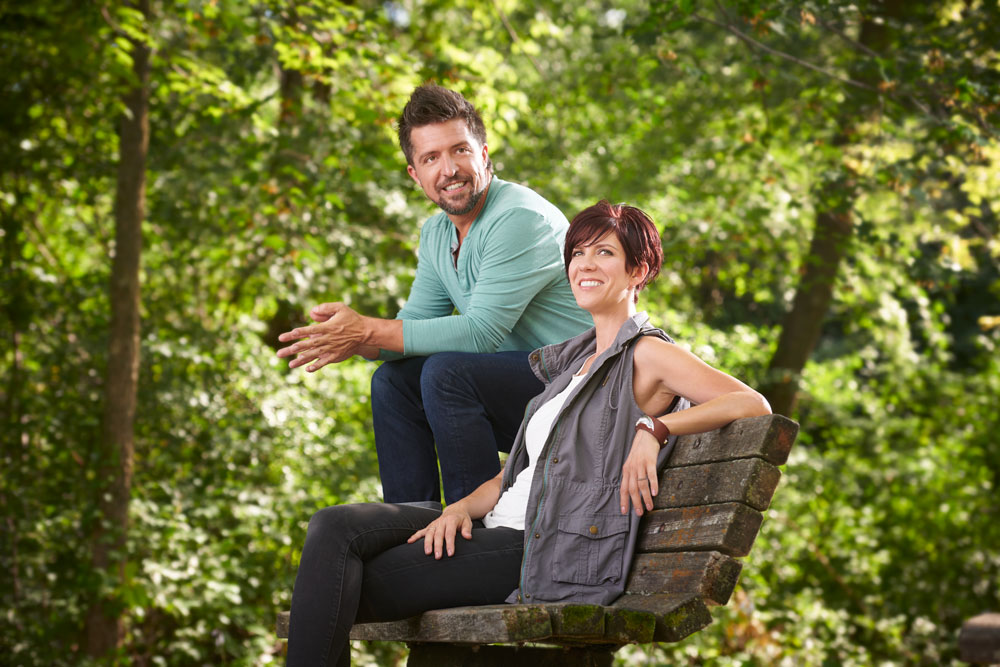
<point x="590" y="548"/>
<point x="594" y="526"/>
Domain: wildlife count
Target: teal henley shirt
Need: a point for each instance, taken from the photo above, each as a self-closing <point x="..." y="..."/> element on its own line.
<point x="509" y="286"/>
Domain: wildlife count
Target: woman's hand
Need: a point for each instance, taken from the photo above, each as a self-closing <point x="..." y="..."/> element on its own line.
<point x="639" y="483"/>
<point x="441" y="531"/>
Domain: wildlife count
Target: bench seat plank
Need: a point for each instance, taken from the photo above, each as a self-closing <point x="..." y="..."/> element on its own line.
<point x="473" y="625"/>
<point x="677" y="616"/>
<point x="729" y="528"/>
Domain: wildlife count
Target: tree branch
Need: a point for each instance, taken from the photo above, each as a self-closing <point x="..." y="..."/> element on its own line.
<point x="787" y="56"/>
<point x="515" y="38"/>
<point x="821" y="70"/>
<point x="853" y="42"/>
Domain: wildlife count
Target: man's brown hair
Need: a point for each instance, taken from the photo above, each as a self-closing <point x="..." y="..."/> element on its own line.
<point x="431" y="103"/>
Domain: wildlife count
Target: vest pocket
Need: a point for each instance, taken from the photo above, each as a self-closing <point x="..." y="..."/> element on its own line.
<point x="590" y="548"/>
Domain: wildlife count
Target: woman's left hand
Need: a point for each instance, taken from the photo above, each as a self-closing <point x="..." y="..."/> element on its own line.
<point x="639" y="483"/>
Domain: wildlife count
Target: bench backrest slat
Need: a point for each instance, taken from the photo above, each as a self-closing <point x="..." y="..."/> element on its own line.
<point x="707" y="573"/>
<point x="730" y="528"/>
<point x="769" y="438"/>
<point x="748" y="481"/>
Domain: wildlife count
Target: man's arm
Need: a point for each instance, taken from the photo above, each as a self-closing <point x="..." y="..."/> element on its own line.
<point x="341" y="332"/>
<point x="520" y="257"/>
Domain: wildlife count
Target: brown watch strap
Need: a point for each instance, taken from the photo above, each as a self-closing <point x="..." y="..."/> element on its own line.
<point x="659" y="430"/>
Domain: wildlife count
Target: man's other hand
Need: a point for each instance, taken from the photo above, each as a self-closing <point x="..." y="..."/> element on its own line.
<point x="338" y="335"/>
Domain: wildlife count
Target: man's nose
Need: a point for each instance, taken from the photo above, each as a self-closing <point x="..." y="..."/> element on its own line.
<point x="448" y="165"/>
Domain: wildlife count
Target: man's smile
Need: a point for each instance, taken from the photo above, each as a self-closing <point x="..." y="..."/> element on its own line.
<point x="452" y="187"/>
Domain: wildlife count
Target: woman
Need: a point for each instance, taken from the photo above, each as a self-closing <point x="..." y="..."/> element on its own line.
<point x="556" y="524"/>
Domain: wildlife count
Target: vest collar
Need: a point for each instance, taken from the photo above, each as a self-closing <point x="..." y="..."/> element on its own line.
<point x="552" y="360"/>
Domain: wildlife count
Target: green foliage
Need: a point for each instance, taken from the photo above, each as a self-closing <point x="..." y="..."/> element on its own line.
<point x="274" y="183"/>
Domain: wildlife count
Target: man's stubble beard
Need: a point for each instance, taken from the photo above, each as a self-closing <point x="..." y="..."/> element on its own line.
<point x="473" y="199"/>
<point x="468" y="208"/>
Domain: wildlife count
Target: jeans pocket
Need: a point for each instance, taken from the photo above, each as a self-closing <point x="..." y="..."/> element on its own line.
<point x="590" y="548"/>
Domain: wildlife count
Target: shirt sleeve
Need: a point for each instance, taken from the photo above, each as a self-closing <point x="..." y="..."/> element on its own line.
<point x="428" y="298"/>
<point x="519" y="257"/>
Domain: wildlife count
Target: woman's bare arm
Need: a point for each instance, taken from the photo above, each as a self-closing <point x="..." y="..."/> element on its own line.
<point x="662" y="371"/>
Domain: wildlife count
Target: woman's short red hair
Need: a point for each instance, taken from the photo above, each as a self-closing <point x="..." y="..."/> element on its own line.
<point x="632" y="227"/>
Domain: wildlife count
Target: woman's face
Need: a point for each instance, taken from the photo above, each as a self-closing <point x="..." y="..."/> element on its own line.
<point x="598" y="275"/>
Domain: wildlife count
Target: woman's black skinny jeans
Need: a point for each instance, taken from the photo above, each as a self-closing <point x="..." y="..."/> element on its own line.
<point x="357" y="567"/>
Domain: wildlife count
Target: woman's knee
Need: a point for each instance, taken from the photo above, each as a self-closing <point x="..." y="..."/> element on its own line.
<point x="325" y="521"/>
<point x="336" y="522"/>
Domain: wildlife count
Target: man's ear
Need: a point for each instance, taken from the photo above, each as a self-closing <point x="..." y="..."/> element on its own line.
<point x="413" y="174"/>
<point x="486" y="152"/>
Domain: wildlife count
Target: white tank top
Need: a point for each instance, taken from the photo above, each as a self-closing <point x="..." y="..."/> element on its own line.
<point x="509" y="510"/>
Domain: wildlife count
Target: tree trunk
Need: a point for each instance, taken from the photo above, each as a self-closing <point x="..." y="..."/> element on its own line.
<point x="13" y="437"/>
<point x="104" y="623"/>
<point x="802" y="325"/>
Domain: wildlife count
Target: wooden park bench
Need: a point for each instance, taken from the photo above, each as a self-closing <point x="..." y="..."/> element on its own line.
<point x="979" y="640"/>
<point x="712" y="493"/>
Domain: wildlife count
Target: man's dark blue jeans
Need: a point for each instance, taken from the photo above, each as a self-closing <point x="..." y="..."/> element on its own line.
<point x="469" y="406"/>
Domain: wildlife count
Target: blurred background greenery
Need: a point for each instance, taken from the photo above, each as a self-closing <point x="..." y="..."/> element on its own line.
<point x="825" y="175"/>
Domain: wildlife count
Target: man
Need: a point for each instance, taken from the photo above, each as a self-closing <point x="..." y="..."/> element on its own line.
<point x="460" y="382"/>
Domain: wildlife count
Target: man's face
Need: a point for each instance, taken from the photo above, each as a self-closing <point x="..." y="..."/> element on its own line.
<point x="450" y="165"/>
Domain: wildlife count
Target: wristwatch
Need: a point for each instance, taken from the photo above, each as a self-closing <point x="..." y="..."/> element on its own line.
<point x="654" y="426"/>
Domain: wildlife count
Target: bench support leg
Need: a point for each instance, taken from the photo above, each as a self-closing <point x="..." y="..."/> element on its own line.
<point x="436" y="655"/>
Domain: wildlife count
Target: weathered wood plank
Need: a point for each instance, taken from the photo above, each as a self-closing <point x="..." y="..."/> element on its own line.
<point x="748" y="481"/>
<point x="708" y="574"/>
<point x="470" y="625"/>
<point x="677" y="616"/>
<point x="730" y="528"/>
<point x="629" y="626"/>
<point x="979" y="639"/>
<point x="435" y="655"/>
<point x="281" y="626"/>
<point x="769" y="437"/>
<point x="576" y="620"/>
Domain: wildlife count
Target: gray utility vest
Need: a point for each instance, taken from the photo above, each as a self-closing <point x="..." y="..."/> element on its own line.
<point x="577" y="544"/>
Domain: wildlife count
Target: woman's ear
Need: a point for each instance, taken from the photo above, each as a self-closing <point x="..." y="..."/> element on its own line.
<point x="639" y="274"/>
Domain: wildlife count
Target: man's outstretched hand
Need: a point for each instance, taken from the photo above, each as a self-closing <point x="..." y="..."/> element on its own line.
<point x="339" y="333"/>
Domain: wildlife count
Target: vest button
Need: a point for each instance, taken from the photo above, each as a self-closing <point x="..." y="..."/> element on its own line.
<point x="538" y="535"/>
<point x="555" y="459"/>
<point x="534" y="357"/>
<point x="593" y="530"/>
